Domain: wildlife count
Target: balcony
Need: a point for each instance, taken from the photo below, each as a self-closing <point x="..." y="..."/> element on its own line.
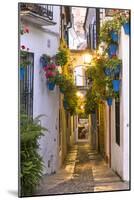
<point x="41" y="15"/>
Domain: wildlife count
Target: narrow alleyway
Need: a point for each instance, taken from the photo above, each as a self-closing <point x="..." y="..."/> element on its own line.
<point x="84" y="171"/>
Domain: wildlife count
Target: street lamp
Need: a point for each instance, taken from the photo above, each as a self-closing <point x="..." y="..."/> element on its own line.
<point x="79" y="94"/>
<point x="87" y="58"/>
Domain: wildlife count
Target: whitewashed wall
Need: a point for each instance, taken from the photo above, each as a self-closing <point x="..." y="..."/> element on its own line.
<point x="44" y="101"/>
<point x="120" y="154"/>
<point x="73" y="39"/>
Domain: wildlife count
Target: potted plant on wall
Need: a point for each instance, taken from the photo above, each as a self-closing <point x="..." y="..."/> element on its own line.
<point x="109" y="34"/>
<point x="110" y="30"/>
<point x="112" y="66"/>
<point x="23" y="63"/>
<point x="109" y="94"/>
<point x="45" y="60"/>
<point x="116" y="84"/>
<point x="90" y="102"/>
<point x="61" y="81"/>
<point x="61" y="57"/>
<point x="124" y="18"/>
<point x="70" y="102"/>
<point x="50" y="73"/>
<point x="126" y="22"/>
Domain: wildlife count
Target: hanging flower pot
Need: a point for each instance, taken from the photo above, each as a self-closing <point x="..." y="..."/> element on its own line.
<point x="44" y="60"/>
<point x="117" y="70"/>
<point x="50" y="85"/>
<point x="22" y="73"/>
<point x="109" y="101"/>
<point x="116" y="85"/>
<point x="112" y="50"/>
<point x="126" y="27"/>
<point x="114" y="36"/>
<point x="108" y="71"/>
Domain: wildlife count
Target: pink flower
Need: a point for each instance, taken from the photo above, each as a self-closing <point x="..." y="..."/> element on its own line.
<point x="45" y="68"/>
<point x="51" y="66"/>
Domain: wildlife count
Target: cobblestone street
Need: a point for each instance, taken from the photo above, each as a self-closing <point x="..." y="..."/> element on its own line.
<point x="84" y="171"/>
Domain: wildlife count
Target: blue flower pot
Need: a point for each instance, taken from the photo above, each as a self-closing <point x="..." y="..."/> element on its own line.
<point x="22" y="73"/>
<point x="50" y="85"/>
<point x="126" y="27"/>
<point x="109" y="101"/>
<point x="114" y="36"/>
<point x="116" y="85"/>
<point x="108" y="71"/>
<point x="117" y="70"/>
<point x="112" y="50"/>
<point x="43" y="62"/>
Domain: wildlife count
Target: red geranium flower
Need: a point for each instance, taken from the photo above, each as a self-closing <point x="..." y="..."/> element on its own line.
<point x="22" y="46"/>
<point x="26" y="30"/>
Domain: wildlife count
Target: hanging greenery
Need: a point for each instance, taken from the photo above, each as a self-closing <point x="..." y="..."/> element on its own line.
<point x="91" y="102"/>
<point x="96" y="76"/>
<point x="23" y="59"/>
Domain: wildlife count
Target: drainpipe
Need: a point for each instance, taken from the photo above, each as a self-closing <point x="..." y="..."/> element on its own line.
<point x="68" y="27"/>
<point x="97" y="26"/>
<point x="61" y="21"/>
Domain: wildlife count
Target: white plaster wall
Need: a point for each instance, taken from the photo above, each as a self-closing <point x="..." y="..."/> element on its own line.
<point x="73" y="39"/>
<point x="44" y="101"/>
<point x="116" y="150"/>
<point x="120" y="154"/>
<point x="107" y="129"/>
<point x="125" y="102"/>
<point x="56" y="18"/>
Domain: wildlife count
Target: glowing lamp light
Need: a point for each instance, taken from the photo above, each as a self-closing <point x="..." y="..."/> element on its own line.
<point x="79" y="94"/>
<point x="82" y="107"/>
<point x="87" y="58"/>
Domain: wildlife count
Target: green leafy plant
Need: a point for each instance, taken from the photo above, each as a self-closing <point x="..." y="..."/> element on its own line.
<point x="61" y="81"/>
<point x="113" y="62"/>
<point x="90" y="102"/>
<point x="96" y="76"/>
<point x="122" y="16"/>
<point x="23" y="59"/>
<point x="62" y="57"/>
<point x="71" y="100"/>
<point x="107" y="27"/>
<point x="31" y="162"/>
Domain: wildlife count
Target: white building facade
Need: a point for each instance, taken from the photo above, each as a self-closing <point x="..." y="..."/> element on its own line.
<point x="120" y="152"/>
<point x="44" y="39"/>
<point x="116" y="143"/>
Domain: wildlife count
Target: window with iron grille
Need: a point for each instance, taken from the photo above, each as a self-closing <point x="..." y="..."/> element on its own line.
<point x="26" y="83"/>
<point x="117" y="121"/>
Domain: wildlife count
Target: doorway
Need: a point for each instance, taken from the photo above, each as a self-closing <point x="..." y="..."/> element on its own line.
<point x="83" y="130"/>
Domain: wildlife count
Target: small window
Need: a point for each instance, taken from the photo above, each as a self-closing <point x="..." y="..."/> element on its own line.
<point x="26" y="82"/>
<point x="48" y="43"/>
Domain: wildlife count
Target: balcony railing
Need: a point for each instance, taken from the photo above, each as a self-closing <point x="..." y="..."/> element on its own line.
<point x="42" y="10"/>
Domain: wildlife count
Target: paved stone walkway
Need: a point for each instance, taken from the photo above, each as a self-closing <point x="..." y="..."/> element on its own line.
<point x="84" y="171"/>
